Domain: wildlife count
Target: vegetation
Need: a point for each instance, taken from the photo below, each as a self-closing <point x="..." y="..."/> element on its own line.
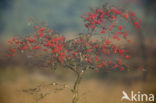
<point x="102" y="48"/>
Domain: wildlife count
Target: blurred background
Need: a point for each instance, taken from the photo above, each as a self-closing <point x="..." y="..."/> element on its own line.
<point x="16" y="76"/>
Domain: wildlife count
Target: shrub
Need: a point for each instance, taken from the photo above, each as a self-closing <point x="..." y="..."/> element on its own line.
<point x="98" y="49"/>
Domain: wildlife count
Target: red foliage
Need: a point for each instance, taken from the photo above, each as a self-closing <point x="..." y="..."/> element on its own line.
<point x="83" y="51"/>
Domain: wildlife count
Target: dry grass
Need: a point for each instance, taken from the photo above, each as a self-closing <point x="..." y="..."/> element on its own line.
<point x="18" y="85"/>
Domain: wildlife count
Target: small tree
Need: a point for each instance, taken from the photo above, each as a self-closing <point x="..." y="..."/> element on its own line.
<point x="98" y="49"/>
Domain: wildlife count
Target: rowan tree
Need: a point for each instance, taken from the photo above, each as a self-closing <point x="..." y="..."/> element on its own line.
<point x="97" y="49"/>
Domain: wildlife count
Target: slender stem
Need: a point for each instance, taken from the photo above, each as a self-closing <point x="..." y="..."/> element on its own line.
<point x="75" y="88"/>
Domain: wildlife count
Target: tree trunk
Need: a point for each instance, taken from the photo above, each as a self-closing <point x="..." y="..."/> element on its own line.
<point x="75" y="88"/>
